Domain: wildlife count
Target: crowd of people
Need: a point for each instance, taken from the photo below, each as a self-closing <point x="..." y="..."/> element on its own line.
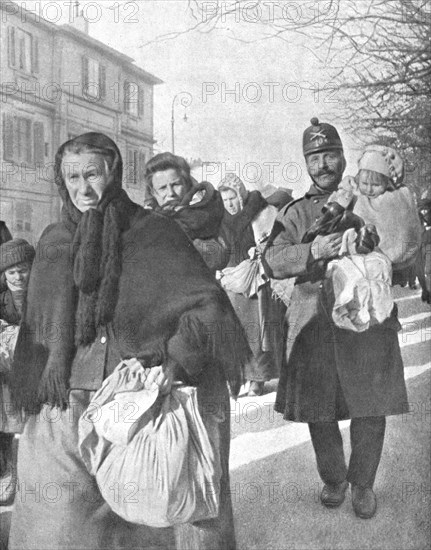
<point x="212" y="289"/>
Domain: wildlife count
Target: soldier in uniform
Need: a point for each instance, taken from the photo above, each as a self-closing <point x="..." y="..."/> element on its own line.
<point x="332" y="374"/>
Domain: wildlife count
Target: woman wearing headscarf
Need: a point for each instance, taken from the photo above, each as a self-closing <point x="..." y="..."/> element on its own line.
<point x="111" y="282"/>
<point x="246" y="225"/>
<point x="196" y="207"/>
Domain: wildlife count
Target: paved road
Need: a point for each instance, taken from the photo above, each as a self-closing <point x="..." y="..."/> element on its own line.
<point x="275" y="485"/>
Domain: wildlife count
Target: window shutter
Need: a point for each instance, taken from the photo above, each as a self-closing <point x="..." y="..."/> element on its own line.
<point x="39" y="143"/>
<point x="135" y="167"/>
<point x="102" y="81"/>
<point x="130" y="179"/>
<point x="126" y="95"/>
<point x="35" y="55"/>
<point x="19" y="215"/>
<point x="141" y="171"/>
<point x="8" y="137"/>
<point x="11" y="46"/>
<point x="84" y="73"/>
<point x="141" y="98"/>
<point x="21" y="52"/>
<point x="28" y="149"/>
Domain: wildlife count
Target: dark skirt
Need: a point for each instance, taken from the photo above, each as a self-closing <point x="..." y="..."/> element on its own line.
<point x="265" y="338"/>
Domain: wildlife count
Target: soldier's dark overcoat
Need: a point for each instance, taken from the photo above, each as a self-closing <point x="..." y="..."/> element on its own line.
<point x="329" y="373"/>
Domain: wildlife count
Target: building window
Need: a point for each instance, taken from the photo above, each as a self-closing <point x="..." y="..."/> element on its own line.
<point x="132" y="167"/>
<point x="23" y="140"/>
<point x="133" y="99"/>
<point x="23" y="216"/>
<point x="135" y="168"/>
<point x="23" y="50"/>
<point x="93" y="79"/>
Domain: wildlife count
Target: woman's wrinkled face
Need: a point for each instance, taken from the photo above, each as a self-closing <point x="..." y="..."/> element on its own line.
<point x="370" y="187"/>
<point x="18" y="275"/>
<point x="168" y="187"/>
<point x="86" y="178"/>
<point x="231" y="201"/>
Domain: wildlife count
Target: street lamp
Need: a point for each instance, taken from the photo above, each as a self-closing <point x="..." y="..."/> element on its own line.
<point x="185" y="99"/>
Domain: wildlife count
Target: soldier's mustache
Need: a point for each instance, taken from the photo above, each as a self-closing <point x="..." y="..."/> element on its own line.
<point x="326" y="172"/>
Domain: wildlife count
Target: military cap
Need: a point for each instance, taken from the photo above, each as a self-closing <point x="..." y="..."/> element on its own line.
<point x="320" y="136"/>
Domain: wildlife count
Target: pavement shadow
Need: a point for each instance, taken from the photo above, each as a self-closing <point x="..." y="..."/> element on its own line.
<point x="276" y="500"/>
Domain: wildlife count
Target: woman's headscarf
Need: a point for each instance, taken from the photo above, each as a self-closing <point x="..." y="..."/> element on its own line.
<point x="233" y="183"/>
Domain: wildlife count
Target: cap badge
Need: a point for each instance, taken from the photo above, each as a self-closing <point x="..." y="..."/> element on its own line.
<point x="318" y="135"/>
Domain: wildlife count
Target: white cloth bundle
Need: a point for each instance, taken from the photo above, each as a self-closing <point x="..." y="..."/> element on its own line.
<point x="8" y="337"/>
<point x="152" y="455"/>
<point x="362" y="289"/>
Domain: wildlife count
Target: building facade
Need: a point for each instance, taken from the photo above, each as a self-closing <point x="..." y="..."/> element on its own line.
<point x="59" y="82"/>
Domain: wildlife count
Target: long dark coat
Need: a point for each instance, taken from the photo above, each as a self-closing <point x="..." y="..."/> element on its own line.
<point x="330" y="373"/>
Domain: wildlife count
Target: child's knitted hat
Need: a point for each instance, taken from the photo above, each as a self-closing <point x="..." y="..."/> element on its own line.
<point x="383" y="160"/>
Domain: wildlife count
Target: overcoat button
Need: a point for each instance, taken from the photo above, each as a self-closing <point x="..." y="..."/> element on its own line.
<point x="103" y="340"/>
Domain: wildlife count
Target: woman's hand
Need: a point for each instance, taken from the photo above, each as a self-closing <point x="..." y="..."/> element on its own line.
<point x="326" y="247"/>
<point x="252" y="253"/>
<point x="159" y="375"/>
<point x="162" y="376"/>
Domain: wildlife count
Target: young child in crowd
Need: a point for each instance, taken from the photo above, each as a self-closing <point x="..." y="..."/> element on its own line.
<point x="380" y="199"/>
<point x="16" y="257"/>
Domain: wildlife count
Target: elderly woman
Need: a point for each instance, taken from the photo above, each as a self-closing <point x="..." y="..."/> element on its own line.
<point x="247" y="223"/>
<point x="197" y="208"/>
<point x="111" y="282"/>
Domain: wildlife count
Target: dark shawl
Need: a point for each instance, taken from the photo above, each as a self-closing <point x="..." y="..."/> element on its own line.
<point x="165" y="293"/>
<point x="201" y="219"/>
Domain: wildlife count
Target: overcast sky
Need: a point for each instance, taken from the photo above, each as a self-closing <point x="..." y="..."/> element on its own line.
<point x="254" y="131"/>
